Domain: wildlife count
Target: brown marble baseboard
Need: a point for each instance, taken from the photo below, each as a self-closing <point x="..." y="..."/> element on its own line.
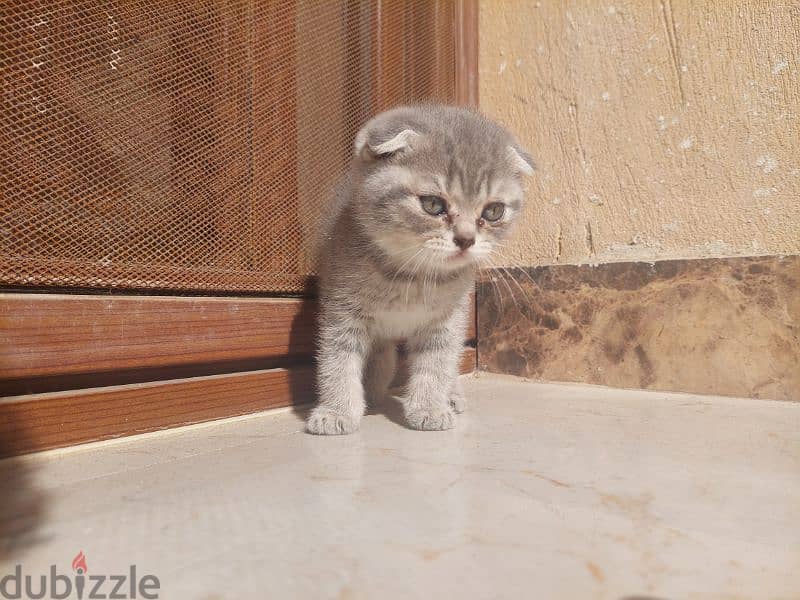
<point x="728" y="326"/>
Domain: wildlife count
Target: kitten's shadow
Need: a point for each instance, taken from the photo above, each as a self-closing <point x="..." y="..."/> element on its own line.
<point x="390" y="404"/>
<point x="301" y="377"/>
<point x="390" y="407"/>
<point x="300" y="373"/>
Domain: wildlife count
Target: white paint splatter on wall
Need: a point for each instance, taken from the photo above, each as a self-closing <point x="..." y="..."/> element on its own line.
<point x="767" y="163"/>
<point x="780" y="66"/>
<point x="687" y="142"/>
<point x="763" y="192"/>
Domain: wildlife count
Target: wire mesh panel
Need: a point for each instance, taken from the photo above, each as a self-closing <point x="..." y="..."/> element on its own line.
<point x="189" y="145"/>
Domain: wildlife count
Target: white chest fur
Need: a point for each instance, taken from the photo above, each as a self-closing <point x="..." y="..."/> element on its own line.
<point x="403" y="320"/>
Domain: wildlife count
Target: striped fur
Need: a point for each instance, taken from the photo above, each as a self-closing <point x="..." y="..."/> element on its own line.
<point x="389" y="270"/>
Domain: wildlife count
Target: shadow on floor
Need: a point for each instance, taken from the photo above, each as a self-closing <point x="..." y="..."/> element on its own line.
<point x="22" y="504"/>
<point x="302" y="377"/>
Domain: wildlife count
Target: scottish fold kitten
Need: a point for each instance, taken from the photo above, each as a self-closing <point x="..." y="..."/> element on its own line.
<point x="431" y="191"/>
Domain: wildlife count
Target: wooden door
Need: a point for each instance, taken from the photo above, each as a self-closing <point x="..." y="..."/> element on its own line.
<point x="161" y="167"/>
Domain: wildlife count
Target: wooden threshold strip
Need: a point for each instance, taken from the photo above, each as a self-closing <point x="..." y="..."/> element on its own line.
<point x="52" y="335"/>
<point x="44" y="421"/>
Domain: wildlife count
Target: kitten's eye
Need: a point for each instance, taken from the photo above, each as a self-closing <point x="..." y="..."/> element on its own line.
<point x="494" y="211"/>
<point x="433" y="205"/>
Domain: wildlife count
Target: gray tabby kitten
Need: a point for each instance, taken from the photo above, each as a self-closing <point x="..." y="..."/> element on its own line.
<point x="431" y="191"/>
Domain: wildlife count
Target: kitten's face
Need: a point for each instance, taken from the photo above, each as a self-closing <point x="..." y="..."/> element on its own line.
<point x="442" y="187"/>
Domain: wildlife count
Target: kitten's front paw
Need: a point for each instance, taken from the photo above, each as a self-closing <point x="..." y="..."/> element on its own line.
<point x="434" y="418"/>
<point x="324" y="421"/>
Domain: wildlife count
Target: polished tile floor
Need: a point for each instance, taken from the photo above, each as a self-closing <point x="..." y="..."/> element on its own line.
<point x="542" y="491"/>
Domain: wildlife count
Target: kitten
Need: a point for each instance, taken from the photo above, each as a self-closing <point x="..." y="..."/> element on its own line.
<point x="431" y="191"/>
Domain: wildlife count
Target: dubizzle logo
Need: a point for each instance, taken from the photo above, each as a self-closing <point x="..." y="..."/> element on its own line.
<point x="79" y="563"/>
<point x="81" y="585"/>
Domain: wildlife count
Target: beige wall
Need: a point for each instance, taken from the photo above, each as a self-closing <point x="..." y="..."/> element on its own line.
<point x="663" y="129"/>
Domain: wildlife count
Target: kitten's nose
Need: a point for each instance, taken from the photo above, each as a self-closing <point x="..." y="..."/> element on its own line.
<point x="464" y="242"/>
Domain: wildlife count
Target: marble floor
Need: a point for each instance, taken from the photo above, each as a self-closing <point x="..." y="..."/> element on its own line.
<point x="542" y="491"/>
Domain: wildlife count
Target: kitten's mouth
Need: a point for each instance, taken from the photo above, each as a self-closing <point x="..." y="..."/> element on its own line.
<point x="459" y="255"/>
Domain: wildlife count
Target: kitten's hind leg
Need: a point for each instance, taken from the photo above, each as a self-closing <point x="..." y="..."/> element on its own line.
<point x="380" y="371"/>
<point x="343" y="347"/>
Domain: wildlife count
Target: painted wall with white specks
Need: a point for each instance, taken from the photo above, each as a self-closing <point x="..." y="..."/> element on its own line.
<point x="663" y="129"/>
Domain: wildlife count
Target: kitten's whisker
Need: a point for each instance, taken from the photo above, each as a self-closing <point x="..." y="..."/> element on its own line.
<point x="405" y="263"/>
<point x="412" y="276"/>
<point x="429" y="275"/>
<point x="490" y="276"/>
<point x="498" y="292"/>
<point x="524" y="271"/>
<point x="516" y="276"/>
<point x="498" y="273"/>
<point x="510" y="291"/>
<point x="524" y="293"/>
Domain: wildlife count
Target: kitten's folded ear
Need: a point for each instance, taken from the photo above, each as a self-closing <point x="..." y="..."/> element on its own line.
<point x="384" y="136"/>
<point x="521" y="160"/>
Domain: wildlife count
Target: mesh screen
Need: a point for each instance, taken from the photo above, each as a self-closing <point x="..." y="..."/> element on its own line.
<point x="189" y="145"/>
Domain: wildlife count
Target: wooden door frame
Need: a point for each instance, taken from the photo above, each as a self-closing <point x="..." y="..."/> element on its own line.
<point x="466" y="47"/>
